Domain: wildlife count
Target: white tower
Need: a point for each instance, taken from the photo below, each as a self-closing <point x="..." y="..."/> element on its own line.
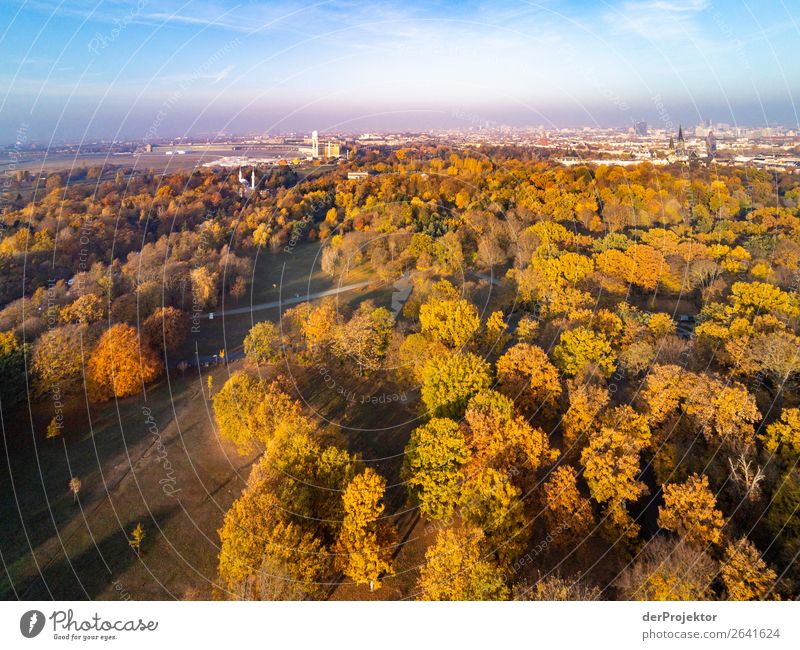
<point x="253" y="179"/>
<point x="314" y="144"/>
<point x="241" y="178"/>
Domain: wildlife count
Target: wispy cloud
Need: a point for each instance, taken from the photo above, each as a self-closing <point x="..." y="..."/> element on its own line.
<point x="658" y="19"/>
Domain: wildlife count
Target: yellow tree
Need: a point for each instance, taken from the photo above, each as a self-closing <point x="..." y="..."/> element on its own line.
<point x="263" y="343"/>
<point x="611" y="462"/>
<point x="253" y="531"/>
<point x="365" y="541"/>
<point x="517" y="444"/>
<point x="488" y="412"/>
<point x="457" y="568"/>
<point x="745" y="574"/>
<point x="434" y="456"/>
<point x="490" y="501"/>
<point x="525" y="374"/>
<point x="451" y="322"/>
<point x="690" y="510"/>
<point x="121" y="364"/>
<point x="449" y="381"/>
<point x="668" y="570"/>
<point x="586" y="401"/>
<point x="85" y="310"/>
<point x="580" y="347"/>
<point x="495" y="333"/>
<point x="783" y="435"/>
<point x="414" y="352"/>
<point x="248" y="410"/>
<point x="567" y="512"/>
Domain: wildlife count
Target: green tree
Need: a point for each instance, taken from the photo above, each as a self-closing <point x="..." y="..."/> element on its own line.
<point x="434" y="456"/>
<point x="491" y="502"/>
<point x="449" y="381"/>
<point x="263" y="343"/>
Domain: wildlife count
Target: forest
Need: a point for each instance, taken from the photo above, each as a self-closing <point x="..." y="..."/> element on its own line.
<point x="600" y="363"/>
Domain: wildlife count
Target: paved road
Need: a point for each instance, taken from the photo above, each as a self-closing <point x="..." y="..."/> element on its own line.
<point x="294" y="300"/>
<point x="491" y="278"/>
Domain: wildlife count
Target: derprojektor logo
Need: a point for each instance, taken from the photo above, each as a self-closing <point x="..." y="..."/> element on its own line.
<point x="31" y="623"/>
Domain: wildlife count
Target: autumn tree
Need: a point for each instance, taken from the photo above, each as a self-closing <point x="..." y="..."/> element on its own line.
<point x="365" y="541"/>
<point x="690" y="510"/>
<point x="451" y="322"/>
<point x="745" y="574"/>
<point x="249" y="410"/>
<point x="263" y="343"/>
<point x="121" y="364"/>
<point x="567" y="512"/>
<point x="13" y="369"/>
<point x="59" y="357"/>
<point x="253" y="531"/>
<point x="413" y="353"/>
<point x="586" y="402"/>
<point x="204" y="287"/>
<point x="457" y="568"/>
<point x="166" y="328"/>
<point x="525" y="374"/>
<point x="668" y="570"/>
<point x="84" y="310"/>
<point x="434" y="456"/>
<point x="557" y="588"/>
<point x="580" y="347"/>
<point x="783" y="435"/>
<point x="492" y="503"/>
<point x="449" y="381"/>
<point x="364" y="338"/>
<point x="611" y="461"/>
<point x="137" y="538"/>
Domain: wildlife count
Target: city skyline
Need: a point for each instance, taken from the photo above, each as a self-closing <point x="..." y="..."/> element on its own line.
<point x="76" y="70"/>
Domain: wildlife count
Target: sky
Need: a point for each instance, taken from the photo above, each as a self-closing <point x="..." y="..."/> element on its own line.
<point x="146" y="69"/>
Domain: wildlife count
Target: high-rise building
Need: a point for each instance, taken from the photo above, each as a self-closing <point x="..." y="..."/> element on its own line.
<point x="314" y="144"/>
<point x="640" y="128"/>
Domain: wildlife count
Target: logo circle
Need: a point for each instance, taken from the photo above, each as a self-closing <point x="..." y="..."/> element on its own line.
<point x="31" y="623"/>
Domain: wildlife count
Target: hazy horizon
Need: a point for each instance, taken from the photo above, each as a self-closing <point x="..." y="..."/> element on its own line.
<point x="79" y="70"/>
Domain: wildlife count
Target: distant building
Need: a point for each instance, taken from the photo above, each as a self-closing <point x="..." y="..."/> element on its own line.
<point x="711" y="145"/>
<point x="314" y="144"/>
<point x="640" y="128"/>
<point x="680" y="148"/>
<point x="357" y="176"/>
<point x="148" y="148"/>
<point x="332" y="150"/>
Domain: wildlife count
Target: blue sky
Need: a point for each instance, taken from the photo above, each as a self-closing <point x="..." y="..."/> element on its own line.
<point x="128" y="68"/>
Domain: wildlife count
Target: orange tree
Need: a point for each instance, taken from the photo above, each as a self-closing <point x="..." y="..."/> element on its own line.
<point x="121" y="364"/>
